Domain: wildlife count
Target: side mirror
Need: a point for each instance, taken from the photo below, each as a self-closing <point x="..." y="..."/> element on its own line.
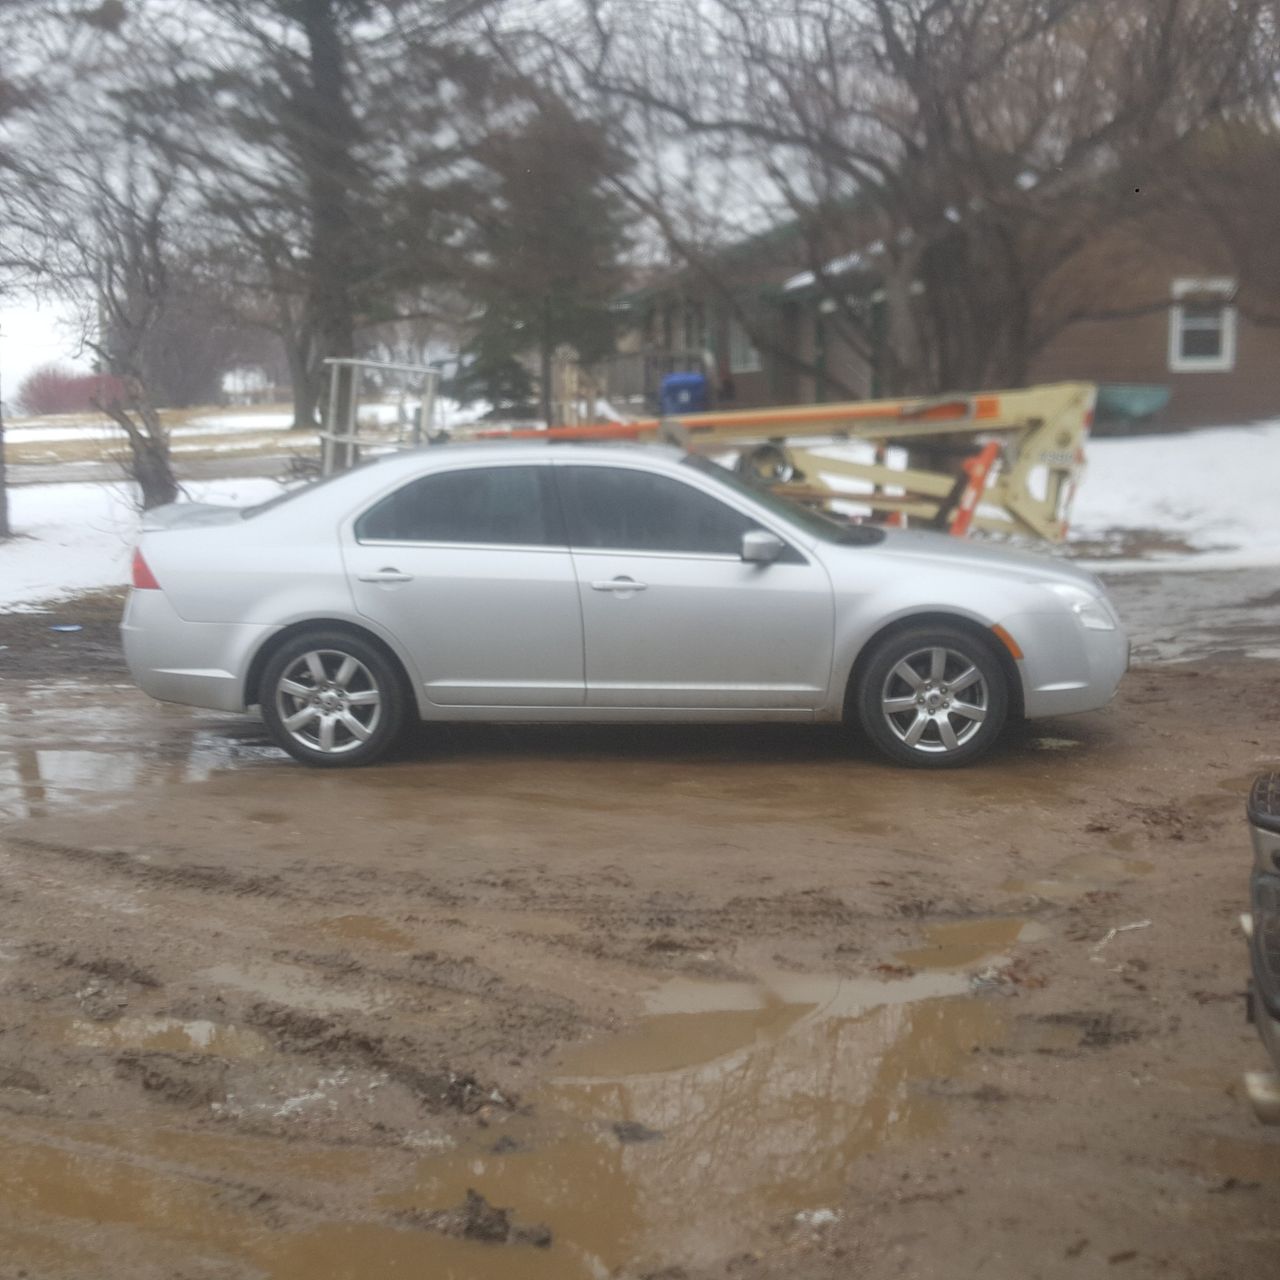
<point x="759" y="546"/>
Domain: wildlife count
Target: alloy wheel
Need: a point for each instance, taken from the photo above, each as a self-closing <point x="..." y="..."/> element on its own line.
<point x="328" y="701"/>
<point x="934" y="700"/>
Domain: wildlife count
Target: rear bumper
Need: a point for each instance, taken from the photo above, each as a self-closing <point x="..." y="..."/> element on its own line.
<point x="200" y="664"/>
<point x="1262" y="927"/>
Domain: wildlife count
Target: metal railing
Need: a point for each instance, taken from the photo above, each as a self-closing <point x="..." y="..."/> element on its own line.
<point x="340" y="442"/>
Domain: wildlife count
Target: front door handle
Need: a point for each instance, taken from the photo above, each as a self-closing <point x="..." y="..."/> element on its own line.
<point x="386" y="575"/>
<point x="619" y="584"/>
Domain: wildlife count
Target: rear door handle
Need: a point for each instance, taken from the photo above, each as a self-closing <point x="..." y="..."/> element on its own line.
<point x="619" y="584"/>
<point x="386" y="575"/>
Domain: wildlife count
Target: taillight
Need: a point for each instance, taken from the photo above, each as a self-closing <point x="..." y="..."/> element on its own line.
<point x="143" y="578"/>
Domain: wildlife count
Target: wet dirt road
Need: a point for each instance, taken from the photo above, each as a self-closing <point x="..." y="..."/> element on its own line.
<point x="696" y="1003"/>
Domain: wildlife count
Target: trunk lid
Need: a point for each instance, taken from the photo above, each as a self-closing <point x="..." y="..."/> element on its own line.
<point x="188" y="515"/>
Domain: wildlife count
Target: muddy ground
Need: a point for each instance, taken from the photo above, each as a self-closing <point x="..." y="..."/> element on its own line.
<point x="699" y="1003"/>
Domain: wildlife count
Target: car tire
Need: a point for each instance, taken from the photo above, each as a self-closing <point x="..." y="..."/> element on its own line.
<point x="933" y="697"/>
<point x="332" y="700"/>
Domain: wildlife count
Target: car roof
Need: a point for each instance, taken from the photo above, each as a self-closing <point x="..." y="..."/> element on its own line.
<point x="378" y="474"/>
<point x="503" y="451"/>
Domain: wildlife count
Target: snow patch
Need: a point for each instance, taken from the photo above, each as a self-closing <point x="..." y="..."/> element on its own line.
<point x="1217" y="491"/>
<point x="59" y="430"/>
<point x="78" y="537"/>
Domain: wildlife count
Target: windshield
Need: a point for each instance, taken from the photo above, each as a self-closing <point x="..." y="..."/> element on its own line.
<point x="817" y="523"/>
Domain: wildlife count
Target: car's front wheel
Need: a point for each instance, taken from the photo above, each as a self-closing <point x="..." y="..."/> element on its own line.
<point x="331" y="699"/>
<point x="933" y="697"/>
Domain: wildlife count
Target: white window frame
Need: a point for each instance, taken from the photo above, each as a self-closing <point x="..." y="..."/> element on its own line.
<point x="744" y="356"/>
<point x="1216" y="286"/>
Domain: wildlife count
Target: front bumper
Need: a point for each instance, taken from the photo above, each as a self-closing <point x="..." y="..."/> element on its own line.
<point x="1067" y="668"/>
<point x="1262" y="927"/>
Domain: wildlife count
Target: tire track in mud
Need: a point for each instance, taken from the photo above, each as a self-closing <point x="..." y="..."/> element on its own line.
<point x="420" y="1060"/>
<point x="122" y="862"/>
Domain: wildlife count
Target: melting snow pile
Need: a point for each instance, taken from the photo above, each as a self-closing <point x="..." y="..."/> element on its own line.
<point x="1216" y="492"/>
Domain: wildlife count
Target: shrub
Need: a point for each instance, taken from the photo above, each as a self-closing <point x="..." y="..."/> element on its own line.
<point x="56" y="389"/>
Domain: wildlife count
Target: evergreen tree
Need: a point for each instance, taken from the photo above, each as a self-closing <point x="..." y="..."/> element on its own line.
<point x="549" y="240"/>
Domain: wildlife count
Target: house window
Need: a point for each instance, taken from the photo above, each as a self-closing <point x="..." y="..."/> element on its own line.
<point x="1202" y="326"/>
<point x="743" y="356"/>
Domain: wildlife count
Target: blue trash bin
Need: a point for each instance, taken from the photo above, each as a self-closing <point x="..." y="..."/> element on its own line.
<point x="683" y="393"/>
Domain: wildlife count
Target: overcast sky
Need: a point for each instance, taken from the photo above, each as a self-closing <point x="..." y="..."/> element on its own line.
<point x="32" y="335"/>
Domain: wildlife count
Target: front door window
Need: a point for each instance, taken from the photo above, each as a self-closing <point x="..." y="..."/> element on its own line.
<point x="619" y="510"/>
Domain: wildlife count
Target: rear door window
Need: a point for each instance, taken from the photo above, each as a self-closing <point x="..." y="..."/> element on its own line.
<point x="503" y="506"/>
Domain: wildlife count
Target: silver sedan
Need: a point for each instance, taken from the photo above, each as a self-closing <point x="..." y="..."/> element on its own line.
<point x="530" y="583"/>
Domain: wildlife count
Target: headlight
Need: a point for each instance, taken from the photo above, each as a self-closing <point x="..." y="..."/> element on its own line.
<point x="1091" y="610"/>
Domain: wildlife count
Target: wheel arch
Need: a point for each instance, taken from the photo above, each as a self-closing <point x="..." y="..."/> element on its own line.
<point x="937" y="618"/>
<point x="272" y="644"/>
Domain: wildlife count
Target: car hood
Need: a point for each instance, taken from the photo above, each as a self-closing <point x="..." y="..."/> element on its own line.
<point x="960" y="553"/>
<point x="188" y="515"/>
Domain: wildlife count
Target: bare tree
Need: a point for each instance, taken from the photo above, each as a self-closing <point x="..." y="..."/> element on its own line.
<point x="16" y="95"/>
<point x="969" y="149"/>
<point x="96" y="213"/>
<point x="48" y="45"/>
<point x="112" y="251"/>
<point x="328" y="141"/>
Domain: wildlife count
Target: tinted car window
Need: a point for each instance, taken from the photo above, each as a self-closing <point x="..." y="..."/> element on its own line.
<point x="639" y="511"/>
<point x="505" y="505"/>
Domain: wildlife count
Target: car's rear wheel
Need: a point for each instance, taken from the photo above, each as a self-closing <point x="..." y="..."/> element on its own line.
<point x="332" y="699"/>
<point x="933" y="697"/>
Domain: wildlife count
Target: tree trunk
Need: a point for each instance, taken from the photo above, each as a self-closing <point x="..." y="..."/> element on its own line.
<point x="904" y="373"/>
<point x="544" y="381"/>
<point x="150" y="465"/>
<point x="331" y="173"/>
<point x="1013" y="365"/>
<point x="151" y="468"/>
<point x="305" y="386"/>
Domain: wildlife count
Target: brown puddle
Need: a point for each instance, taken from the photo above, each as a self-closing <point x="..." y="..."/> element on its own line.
<point x="167" y="1035"/>
<point x="356" y="928"/>
<point x="1100" y="866"/>
<point x="1244" y="1161"/>
<point x="742" y="1104"/>
<point x="954" y="946"/>
<point x="56" y="757"/>
<point x="171" y="1209"/>
<point x="1082" y="874"/>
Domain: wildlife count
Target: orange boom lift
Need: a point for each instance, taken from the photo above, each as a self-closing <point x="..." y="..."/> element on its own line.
<point x="998" y="461"/>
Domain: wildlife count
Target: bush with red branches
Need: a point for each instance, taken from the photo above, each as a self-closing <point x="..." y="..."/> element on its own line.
<point x="56" y="389"/>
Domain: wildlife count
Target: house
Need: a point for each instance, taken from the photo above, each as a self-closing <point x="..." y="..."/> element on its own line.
<point x="1217" y="366"/>
<point x="1147" y="311"/>
<point x="759" y="341"/>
